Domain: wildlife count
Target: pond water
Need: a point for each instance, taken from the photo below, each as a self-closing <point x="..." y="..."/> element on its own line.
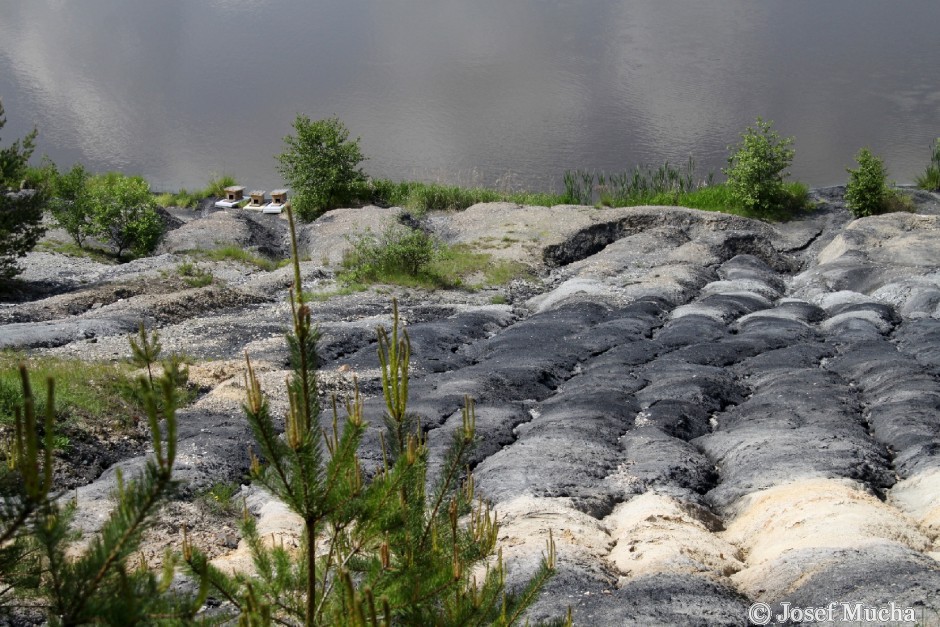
<point x="470" y="91"/>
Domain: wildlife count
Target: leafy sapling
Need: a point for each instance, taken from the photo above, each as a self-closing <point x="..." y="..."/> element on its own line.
<point x="757" y="167"/>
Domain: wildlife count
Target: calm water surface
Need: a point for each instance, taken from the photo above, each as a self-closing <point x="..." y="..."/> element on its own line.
<point x="469" y="91"/>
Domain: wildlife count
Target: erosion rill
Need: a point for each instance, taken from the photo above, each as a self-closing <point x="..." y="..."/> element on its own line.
<point x="707" y="411"/>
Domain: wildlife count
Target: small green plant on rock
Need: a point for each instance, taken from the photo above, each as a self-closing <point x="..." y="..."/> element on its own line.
<point x="930" y="179"/>
<point x="193" y="275"/>
<point x="220" y="498"/>
<point x="147" y="352"/>
<point x="867" y="192"/>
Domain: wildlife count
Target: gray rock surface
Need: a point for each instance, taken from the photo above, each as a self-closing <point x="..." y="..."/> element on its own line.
<point x="707" y="411"/>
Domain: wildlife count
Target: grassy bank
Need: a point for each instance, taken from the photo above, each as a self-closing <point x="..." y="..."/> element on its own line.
<point x="420" y="197"/>
<point x="667" y="184"/>
<point x="186" y="199"/>
<point x="87" y="395"/>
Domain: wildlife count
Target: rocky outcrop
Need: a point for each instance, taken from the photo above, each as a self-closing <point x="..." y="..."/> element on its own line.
<point x="706" y="411"/>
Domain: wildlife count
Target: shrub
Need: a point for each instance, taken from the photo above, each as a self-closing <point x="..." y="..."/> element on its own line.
<point x="867" y="192"/>
<point x="124" y="213"/>
<point x="757" y="167"/>
<point x="398" y="251"/>
<point x="930" y="179"/>
<point x="71" y="204"/>
<point x="321" y="165"/>
<point x="118" y="209"/>
<point x="20" y="209"/>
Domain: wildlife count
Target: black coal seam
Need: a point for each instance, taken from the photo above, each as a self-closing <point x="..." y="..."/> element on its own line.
<point x="859" y="392"/>
<point x="515" y="437"/>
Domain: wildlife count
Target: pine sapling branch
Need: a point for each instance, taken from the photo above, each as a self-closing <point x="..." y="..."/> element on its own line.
<point x="145" y="351"/>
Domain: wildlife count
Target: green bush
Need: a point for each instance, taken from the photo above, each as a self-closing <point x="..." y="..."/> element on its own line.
<point x="930" y="179"/>
<point x="399" y="251"/>
<point x="321" y="164"/>
<point x="71" y="204"/>
<point x="118" y="209"/>
<point x="867" y="192"/>
<point x="124" y="213"/>
<point x="757" y="167"/>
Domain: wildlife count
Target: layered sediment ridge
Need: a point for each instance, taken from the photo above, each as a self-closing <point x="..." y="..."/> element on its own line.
<point x="706" y="411"/>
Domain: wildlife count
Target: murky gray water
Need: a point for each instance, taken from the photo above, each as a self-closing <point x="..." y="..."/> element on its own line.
<point x="470" y="90"/>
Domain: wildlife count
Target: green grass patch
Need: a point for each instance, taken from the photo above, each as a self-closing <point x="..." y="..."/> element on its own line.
<point x="183" y="199"/>
<point x="86" y="394"/>
<point x="420" y="197"/>
<point x="342" y="290"/>
<point x="217" y="185"/>
<point x="220" y="498"/>
<point x="190" y="199"/>
<point x="193" y="275"/>
<point x="455" y="265"/>
<point x="234" y="253"/>
<point x="72" y="249"/>
<point x="930" y="179"/>
<point x="412" y="258"/>
<point x="719" y="198"/>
